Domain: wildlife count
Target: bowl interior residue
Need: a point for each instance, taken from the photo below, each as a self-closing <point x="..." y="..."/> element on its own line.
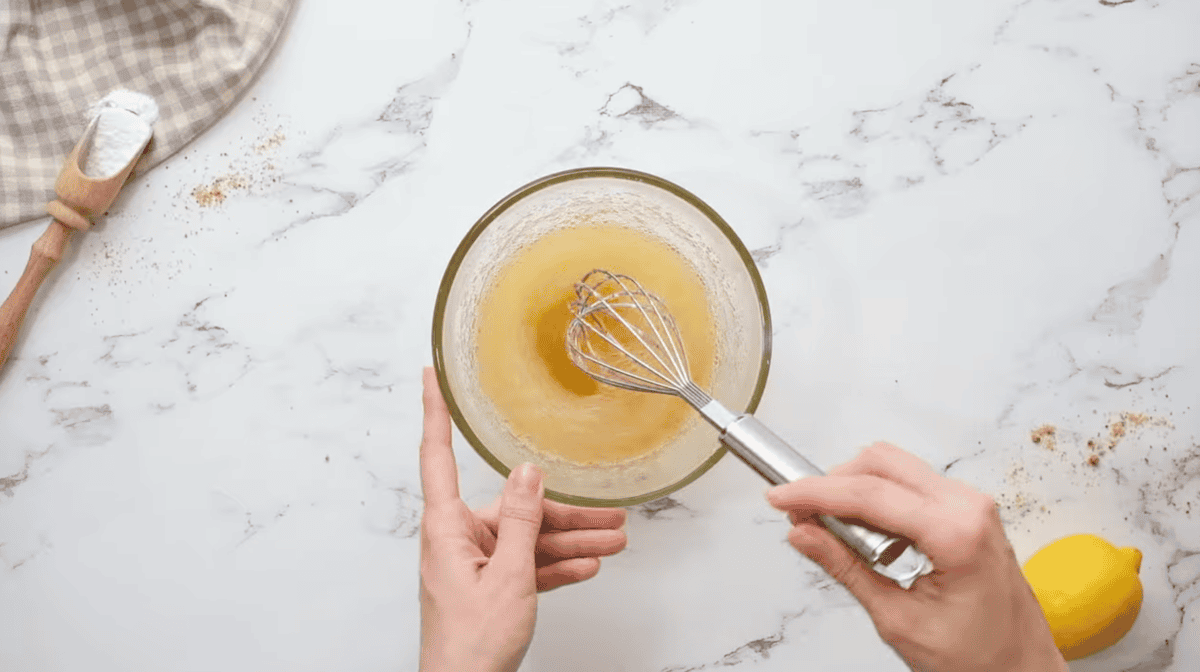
<point x="651" y="205"/>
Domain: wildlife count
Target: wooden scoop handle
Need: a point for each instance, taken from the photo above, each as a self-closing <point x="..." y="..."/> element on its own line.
<point x="46" y="251"/>
<point x="80" y="200"/>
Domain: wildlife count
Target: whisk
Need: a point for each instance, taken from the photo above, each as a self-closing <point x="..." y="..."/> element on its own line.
<point x="625" y="336"/>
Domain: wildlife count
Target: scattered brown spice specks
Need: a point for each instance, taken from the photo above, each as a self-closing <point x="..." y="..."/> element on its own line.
<point x="249" y="168"/>
<point x="1018" y="499"/>
<point x="214" y="193"/>
<point x="1123" y="424"/>
<point x="1116" y="430"/>
<point x="1093" y="460"/>
<point x="1135" y="419"/>
<point x="270" y="143"/>
<point x="1044" y="435"/>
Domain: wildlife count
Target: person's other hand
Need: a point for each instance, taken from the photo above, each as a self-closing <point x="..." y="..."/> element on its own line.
<point x="481" y="571"/>
<point x="974" y="612"/>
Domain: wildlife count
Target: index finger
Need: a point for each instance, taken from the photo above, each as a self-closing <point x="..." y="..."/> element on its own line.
<point x="871" y="499"/>
<point x="439" y="471"/>
<point x="887" y="461"/>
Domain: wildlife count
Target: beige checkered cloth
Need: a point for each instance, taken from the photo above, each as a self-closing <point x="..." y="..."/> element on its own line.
<point x="61" y="56"/>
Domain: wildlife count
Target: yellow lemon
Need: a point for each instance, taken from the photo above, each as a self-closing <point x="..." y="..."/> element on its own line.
<point x="1089" y="591"/>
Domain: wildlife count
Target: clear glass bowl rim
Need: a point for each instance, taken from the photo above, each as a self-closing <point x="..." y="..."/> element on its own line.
<point x="439" y="362"/>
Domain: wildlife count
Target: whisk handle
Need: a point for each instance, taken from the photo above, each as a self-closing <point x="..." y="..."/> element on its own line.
<point x="772" y="457"/>
<point x="775" y="460"/>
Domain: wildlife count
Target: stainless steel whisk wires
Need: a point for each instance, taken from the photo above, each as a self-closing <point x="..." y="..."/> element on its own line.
<point x="623" y="335"/>
<point x="660" y="367"/>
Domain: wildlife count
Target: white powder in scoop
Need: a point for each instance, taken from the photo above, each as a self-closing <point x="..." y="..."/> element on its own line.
<point x="123" y="127"/>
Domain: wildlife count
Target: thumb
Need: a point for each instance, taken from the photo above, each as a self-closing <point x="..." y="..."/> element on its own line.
<point x="520" y="523"/>
<point x="840" y="562"/>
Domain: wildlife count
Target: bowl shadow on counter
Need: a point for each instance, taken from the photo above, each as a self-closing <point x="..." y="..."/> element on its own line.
<point x="627" y="617"/>
<point x="662" y="602"/>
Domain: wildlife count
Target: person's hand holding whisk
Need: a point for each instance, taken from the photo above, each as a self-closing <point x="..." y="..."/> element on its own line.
<point x="481" y="570"/>
<point x="974" y="612"/>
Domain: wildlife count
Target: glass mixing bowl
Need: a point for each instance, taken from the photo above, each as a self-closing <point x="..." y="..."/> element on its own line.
<point x="652" y="205"/>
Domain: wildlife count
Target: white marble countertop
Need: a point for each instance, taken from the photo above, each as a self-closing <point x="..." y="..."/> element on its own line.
<point x="973" y="219"/>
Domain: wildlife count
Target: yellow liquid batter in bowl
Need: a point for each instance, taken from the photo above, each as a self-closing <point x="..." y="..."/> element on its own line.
<point x="523" y="363"/>
<point x="500" y="323"/>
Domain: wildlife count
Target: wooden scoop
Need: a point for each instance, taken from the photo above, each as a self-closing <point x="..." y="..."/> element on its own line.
<point x="80" y="200"/>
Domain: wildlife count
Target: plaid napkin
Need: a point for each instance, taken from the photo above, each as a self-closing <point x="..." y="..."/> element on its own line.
<point x="59" y="57"/>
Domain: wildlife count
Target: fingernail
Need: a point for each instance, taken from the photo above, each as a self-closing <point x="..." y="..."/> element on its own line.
<point x="527" y="479"/>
